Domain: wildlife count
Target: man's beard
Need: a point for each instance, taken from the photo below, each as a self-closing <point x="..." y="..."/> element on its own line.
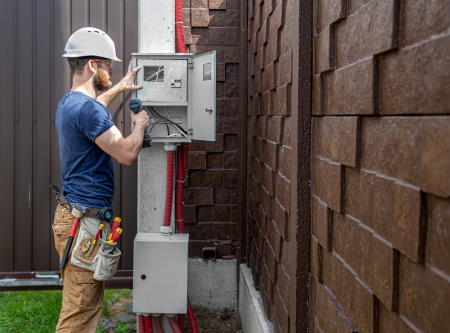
<point x="101" y="80"/>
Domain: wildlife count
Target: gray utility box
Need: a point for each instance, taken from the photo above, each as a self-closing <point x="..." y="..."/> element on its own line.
<point x="179" y="93"/>
<point x="160" y="273"/>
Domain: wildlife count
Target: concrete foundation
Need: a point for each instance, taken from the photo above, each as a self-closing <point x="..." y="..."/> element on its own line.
<point x="250" y="305"/>
<point x="213" y="284"/>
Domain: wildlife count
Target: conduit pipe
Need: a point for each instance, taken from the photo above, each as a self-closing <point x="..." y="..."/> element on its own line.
<point x="157" y="324"/>
<point x="148" y="324"/>
<point x="180" y="46"/>
<point x="166" y="228"/>
<point x="174" y="325"/>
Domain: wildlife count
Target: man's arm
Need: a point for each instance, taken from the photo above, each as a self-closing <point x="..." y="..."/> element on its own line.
<point x="125" y="150"/>
<point x="126" y="84"/>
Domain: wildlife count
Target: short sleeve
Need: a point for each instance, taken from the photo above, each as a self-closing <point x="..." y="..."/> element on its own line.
<point x="94" y="119"/>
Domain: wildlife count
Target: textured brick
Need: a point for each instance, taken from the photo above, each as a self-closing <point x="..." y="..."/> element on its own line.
<point x="274" y="129"/>
<point x="349" y="91"/>
<point x="427" y="299"/>
<point x="284" y="75"/>
<point x="321" y="223"/>
<point x="199" y="36"/>
<point x="265" y="103"/>
<point x="281" y="313"/>
<point x="327" y="183"/>
<point x="266" y="283"/>
<point x="286" y="36"/>
<point x="391" y="209"/>
<point x="230" y="178"/>
<point x="232" y="18"/>
<point x="354" y="297"/>
<point x="370" y="31"/>
<point x="280" y="217"/>
<point x="433" y="16"/>
<point x="231" y="107"/>
<point x="284" y="158"/>
<point x="268" y="176"/>
<point x="425" y="79"/>
<point x="270" y="156"/>
<point x="283" y="191"/>
<point x="199" y="3"/>
<point x="217" y="4"/>
<point x="355" y="5"/>
<point x="337" y="139"/>
<point x="189" y="214"/>
<point x="281" y="102"/>
<point x="232" y="72"/>
<point x="230" y="125"/>
<point x="230" y="160"/>
<point x="213" y="178"/>
<point x="356" y="245"/>
<point x="199" y="17"/>
<point x="224" y="36"/>
<point x="391" y="322"/>
<point x="273" y="236"/>
<point x="438" y="234"/>
<point x="421" y="149"/>
<point x="284" y="284"/>
<point x="221" y="195"/>
<point x="315" y="264"/>
<point x="329" y="11"/>
<point x="323" y="52"/>
<point x="186" y="16"/>
<point x="328" y="315"/>
<point x="269" y="260"/>
<point x="316" y="95"/>
<point x="231" y="54"/>
<point x="197" y="161"/>
<point x="230" y="142"/>
<point x="204" y="196"/>
<point x="220" y="72"/>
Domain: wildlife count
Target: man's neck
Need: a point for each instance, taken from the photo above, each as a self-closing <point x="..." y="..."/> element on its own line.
<point x="84" y="86"/>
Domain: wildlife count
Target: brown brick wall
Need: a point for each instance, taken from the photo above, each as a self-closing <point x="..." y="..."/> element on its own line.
<point x="210" y="195"/>
<point x="380" y="208"/>
<point x="271" y="249"/>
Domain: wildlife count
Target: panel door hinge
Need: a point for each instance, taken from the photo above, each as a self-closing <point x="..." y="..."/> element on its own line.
<point x="191" y="64"/>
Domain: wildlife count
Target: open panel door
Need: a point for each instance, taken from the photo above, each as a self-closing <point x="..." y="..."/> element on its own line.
<point x="202" y="96"/>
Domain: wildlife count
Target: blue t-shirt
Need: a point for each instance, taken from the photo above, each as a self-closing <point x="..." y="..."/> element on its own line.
<point x="87" y="172"/>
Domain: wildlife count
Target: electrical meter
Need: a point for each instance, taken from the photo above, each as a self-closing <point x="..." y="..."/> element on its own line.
<point x="179" y="94"/>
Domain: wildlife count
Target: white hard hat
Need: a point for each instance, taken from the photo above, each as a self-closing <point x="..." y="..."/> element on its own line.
<point x="87" y="42"/>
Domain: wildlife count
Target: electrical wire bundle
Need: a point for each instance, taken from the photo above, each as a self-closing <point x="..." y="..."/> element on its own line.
<point x="167" y="121"/>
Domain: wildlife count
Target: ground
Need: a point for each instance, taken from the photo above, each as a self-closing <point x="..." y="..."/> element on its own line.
<point x="120" y="318"/>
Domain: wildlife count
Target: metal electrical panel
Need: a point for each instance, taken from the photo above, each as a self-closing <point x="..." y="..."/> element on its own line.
<point x="160" y="273"/>
<point x="179" y="92"/>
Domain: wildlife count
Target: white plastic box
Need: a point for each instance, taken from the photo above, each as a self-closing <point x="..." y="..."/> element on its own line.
<point x="160" y="273"/>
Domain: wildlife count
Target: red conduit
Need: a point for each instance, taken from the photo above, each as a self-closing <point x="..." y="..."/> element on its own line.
<point x="141" y="324"/>
<point x="180" y="46"/>
<point x="158" y="326"/>
<point x="191" y="316"/>
<point x="179" y="190"/>
<point x="174" y="325"/>
<point x="169" y="188"/>
<point x="148" y="324"/>
<point x="181" y="318"/>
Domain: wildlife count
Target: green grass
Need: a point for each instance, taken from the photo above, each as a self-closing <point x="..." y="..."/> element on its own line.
<point x="29" y="311"/>
<point x="38" y="311"/>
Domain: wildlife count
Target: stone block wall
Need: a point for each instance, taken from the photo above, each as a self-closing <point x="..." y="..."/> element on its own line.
<point x="270" y="212"/>
<point x="210" y="195"/>
<point x="380" y="228"/>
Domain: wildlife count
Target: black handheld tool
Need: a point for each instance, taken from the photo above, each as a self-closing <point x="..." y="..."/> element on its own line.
<point x="136" y="106"/>
<point x="105" y="214"/>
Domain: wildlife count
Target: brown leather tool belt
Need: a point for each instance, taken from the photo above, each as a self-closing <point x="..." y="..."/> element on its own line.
<point x="62" y="200"/>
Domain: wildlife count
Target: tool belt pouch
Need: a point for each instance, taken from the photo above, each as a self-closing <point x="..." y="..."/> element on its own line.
<point x="101" y="258"/>
<point x="108" y="259"/>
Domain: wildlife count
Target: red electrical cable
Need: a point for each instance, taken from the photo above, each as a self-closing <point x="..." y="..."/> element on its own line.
<point x="169" y="188"/>
<point x="141" y="324"/>
<point x="191" y="317"/>
<point x="180" y="46"/>
<point x="181" y="318"/>
<point x="158" y="325"/>
<point x="148" y="324"/>
<point x="174" y="325"/>
<point x="179" y="189"/>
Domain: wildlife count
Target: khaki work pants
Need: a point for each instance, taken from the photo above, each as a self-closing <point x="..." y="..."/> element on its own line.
<point x="82" y="302"/>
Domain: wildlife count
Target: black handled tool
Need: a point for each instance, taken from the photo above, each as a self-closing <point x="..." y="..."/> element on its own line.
<point x="78" y="212"/>
<point x="136" y="106"/>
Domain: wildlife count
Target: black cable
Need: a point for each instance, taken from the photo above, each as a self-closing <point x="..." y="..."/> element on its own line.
<point x="154" y="112"/>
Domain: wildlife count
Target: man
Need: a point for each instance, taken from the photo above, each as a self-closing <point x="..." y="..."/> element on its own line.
<point x="89" y="141"/>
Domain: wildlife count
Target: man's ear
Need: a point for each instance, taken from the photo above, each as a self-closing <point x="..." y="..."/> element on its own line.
<point x="91" y="66"/>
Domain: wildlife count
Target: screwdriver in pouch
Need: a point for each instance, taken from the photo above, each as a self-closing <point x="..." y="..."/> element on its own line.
<point x="114" y="226"/>
<point x="98" y="233"/>
<point x="115" y="235"/>
<point x="78" y="212"/>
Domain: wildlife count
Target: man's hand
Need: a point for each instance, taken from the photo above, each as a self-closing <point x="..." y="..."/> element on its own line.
<point x="126" y="84"/>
